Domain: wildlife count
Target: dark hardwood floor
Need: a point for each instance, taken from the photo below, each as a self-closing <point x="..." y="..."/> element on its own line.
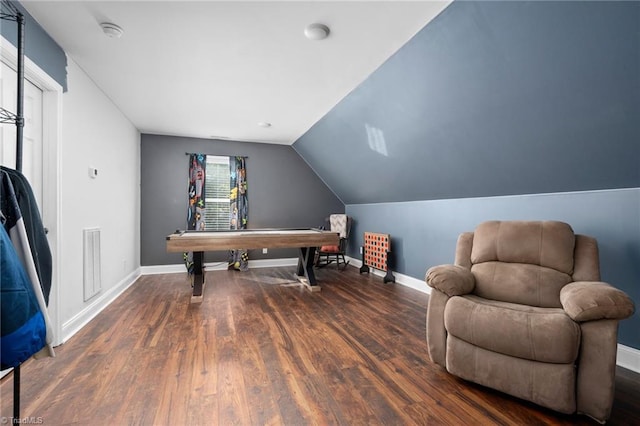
<point x="261" y="349"/>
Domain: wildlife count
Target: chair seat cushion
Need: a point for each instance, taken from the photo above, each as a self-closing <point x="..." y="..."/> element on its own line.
<point x="527" y="332"/>
<point x="330" y="249"/>
<point x="548" y="384"/>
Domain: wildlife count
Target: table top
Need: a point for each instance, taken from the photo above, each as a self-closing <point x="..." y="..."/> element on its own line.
<point x="181" y="241"/>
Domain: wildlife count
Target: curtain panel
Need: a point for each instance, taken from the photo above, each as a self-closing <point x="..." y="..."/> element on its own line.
<point x="238" y="202"/>
<point x="195" y="208"/>
<point x="197" y="182"/>
<point x="238" y="259"/>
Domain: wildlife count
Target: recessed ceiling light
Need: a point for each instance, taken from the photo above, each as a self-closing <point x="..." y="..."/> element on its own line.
<point x="317" y="31"/>
<point x="111" y="30"/>
<point x="264" y="124"/>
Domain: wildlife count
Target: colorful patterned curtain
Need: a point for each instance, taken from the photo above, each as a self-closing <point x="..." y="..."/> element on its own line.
<point x="238" y="259"/>
<point x="195" y="210"/>
<point x="195" y="215"/>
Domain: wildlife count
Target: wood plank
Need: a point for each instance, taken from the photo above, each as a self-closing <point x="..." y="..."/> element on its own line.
<point x="260" y="349"/>
<point x="249" y="239"/>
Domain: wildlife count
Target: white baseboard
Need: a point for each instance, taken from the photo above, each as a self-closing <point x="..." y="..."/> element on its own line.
<point x="162" y="269"/>
<point x="217" y="266"/>
<point x="273" y="263"/>
<point x="627" y="357"/>
<point x="81" y="319"/>
<point x="258" y="263"/>
<point x="405" y="280"/>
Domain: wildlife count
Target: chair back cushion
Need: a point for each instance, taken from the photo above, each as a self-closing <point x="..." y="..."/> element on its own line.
<point x="340" y="223"/>
<point x="525" y="262"/>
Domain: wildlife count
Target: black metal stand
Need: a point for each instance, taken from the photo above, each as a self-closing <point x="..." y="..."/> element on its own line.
<point x="198" y="273"/>
<point x="10" y="13"/>
<point x="306" y="256"/>
<point x="389" y="277"/>
<point x="20" y="95"/>
<point x="16" y="393"/>
<point x="364" y="267"/>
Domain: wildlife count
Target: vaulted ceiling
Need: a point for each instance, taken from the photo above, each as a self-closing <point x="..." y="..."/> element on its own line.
<point x="215" y="69"/>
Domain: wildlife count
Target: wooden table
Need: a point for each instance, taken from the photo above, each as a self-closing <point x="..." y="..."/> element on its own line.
<point x="200" y="241"/>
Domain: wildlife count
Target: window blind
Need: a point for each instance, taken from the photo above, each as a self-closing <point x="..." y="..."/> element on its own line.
<point x="217" y="193"/>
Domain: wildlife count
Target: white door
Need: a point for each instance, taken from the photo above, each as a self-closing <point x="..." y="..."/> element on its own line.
<point x="41" y="156"/>
<point x="32" y="134"/>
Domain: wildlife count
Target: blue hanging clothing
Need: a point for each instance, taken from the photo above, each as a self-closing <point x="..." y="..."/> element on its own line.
<point x="28" y="210"/>
<point x="23" y="331"/>
<point x="25" y="327"/>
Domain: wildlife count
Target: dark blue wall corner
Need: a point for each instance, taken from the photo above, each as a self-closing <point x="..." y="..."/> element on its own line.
<point x="38" y="46"/>
<point x="492" y="98"/>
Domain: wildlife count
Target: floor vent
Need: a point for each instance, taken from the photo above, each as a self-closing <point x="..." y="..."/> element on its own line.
<point x="91" y="262"/>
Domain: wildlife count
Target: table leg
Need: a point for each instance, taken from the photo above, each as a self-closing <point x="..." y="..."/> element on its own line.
<point x="198" y="276"/>
<point x="305" y="267"/>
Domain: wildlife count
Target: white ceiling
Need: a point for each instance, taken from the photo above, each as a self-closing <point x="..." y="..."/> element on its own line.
<point x="214" y="69"/>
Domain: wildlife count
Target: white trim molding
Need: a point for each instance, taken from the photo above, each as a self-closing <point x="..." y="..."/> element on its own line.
<point x="405" y="280"/>
<point x="628" y="358"/>
<point x="81" y="319"/>
<point x="273" y="263"/>
<point x="162" y="269"/>
<point x="217" y="266"/>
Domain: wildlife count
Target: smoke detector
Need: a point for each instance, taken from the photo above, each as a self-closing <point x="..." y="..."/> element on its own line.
<point x="111" y="30"/>
<point x="316" y="31"/>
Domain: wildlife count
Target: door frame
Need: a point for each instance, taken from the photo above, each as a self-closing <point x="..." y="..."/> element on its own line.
<point x="51" y="168"/>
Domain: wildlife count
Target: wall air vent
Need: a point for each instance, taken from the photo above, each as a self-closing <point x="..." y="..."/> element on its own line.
<point x="91" y="262"/>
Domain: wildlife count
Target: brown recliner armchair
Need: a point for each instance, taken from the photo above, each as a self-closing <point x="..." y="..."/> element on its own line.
<point x="522" y="311"/>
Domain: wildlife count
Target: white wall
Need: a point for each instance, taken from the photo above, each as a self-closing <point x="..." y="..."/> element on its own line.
<point x="95" y="133"/>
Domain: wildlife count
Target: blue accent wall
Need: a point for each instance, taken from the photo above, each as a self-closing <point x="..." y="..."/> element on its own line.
<point x="38" y="46"/>
<point x="496" y="110"/>
<point x="492" y="98"/>
<point x="424" y="233"/>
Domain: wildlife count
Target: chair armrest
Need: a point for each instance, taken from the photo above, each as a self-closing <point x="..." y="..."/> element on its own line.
<point x="594" y="300"/>
<point x="452" y="280"/>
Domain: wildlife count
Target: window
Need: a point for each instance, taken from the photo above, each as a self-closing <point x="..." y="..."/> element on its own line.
<point x="216" y="193"/>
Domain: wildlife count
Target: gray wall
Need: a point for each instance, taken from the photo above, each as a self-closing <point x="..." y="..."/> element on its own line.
<point x="283" y="192"/>
<point x="496" y="110"/>
<point x="38" y="46"/>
